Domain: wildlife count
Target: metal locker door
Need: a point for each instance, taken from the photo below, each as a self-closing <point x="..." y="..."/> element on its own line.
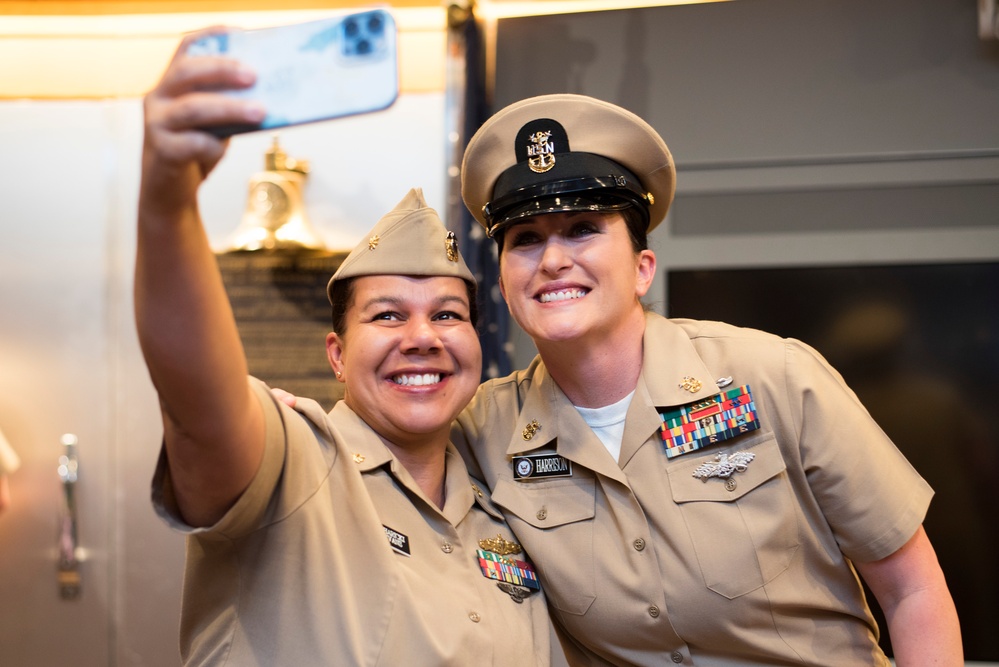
<point x="70" y="364"/>
<point x="56" y="375"/>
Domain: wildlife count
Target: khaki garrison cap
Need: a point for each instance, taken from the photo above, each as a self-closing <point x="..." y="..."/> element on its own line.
<point x="409" y="240"/>
<point x="565" y="153"/>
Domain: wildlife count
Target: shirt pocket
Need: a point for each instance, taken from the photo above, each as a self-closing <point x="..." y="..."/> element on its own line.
<point x="744" y="528"/>
<point x="553" y="520"/>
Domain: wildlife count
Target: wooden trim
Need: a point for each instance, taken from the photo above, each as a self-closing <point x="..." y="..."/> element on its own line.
<point x="105" y="7"/>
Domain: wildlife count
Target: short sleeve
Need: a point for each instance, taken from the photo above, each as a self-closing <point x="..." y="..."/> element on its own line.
<point x="871" y="496"/>
<point x="248" y="510"/>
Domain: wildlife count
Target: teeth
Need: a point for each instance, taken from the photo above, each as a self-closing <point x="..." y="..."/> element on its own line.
<point x="563" y="295"/>
<point x="418" y="380"/>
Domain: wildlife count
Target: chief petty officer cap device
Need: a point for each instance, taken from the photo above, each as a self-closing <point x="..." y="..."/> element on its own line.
<point x="409" y="240"/>
<point x="565" y="152"/>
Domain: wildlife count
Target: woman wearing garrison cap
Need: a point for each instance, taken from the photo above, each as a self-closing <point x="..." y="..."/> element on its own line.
<point x="691" y="492"/>
<point x="349" y="538"/>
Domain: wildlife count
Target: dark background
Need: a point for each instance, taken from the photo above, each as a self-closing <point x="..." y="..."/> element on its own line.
<point x="920" y="347"/>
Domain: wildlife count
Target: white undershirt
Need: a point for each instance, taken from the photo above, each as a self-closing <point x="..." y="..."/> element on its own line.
<point x="608" y="423"/>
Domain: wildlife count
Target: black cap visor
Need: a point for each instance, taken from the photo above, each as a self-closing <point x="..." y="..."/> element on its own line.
<point x="591" y="201"/>
<point x="584" y="182"/>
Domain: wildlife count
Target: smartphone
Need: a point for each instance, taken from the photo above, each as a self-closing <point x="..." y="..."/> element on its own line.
<point x="312" y="71"/>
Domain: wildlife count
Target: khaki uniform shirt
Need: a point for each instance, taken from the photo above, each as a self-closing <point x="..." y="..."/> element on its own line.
<point x="644" y="564"/>
<point x="300" y="571"/>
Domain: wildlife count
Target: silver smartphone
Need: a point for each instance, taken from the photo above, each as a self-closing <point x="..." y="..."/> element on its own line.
<point x="313" y="71"/>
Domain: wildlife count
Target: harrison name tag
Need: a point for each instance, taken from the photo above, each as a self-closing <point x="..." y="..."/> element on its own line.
<point x="536" y="466"/>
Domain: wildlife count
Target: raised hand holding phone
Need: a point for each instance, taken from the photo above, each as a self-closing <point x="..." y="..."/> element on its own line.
<point x="312" y="71"/>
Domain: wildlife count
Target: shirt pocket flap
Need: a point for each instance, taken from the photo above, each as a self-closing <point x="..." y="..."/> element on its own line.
<point x="549" y="503"/>
<point x="767" y="462"/>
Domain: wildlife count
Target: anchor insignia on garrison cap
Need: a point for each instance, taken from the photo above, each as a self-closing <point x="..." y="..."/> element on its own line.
<point x="451" y="247"/>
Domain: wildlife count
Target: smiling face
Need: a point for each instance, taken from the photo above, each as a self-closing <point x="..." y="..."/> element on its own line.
<point x="574" y="276"/>
<point x="409" y="355"/>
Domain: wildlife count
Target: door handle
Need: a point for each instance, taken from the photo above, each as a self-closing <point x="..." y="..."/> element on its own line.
<point x="68" y="574"/>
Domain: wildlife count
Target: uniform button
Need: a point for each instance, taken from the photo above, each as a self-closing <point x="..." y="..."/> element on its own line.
<point x="654" y="611"/>
<point x="639" y="544"/>
<point x="542" y="514"/>
<point x="730" y="484"/>
<point x="676" y="657"/>
<point x="447" y="548"/>
<point x="475" y="618"/>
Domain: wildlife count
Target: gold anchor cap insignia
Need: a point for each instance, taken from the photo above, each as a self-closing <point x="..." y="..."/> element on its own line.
<point x="358" y="457"/>
<point x="541" y="154"/>
<point x="500" y="546"/>
<point x="531" y="429"/>
<point x="373" y="242"/>
<point x="451" y="247"/>
<point x="691" y="384"/>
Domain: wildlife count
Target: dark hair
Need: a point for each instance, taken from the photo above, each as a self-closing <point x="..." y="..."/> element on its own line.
<point x="342" y="295"/>
<point x="637" y="230"/>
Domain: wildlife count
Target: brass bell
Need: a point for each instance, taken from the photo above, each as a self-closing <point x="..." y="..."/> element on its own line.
<point x="275" y="216"/>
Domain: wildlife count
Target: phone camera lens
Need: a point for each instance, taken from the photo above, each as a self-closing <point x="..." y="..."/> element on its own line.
<point x="351" y="29"/>
<point x="363" y="47"/>
<point x="375" y="24"/>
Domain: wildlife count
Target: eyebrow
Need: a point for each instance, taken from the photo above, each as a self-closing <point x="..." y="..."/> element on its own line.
<point x="396" y="301"/>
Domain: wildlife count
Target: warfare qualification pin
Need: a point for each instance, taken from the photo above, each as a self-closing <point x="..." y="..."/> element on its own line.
<point x="518" y="593"/>
<point x="724" y="465"/>
<point x="500" y="546"/>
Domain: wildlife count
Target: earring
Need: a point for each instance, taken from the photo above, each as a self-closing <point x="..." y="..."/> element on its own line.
<point x="339" y="375"/>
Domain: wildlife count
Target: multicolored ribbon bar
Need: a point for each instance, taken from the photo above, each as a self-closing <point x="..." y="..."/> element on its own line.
<point x="690" y="427"/>
<point x="504" y="568"/>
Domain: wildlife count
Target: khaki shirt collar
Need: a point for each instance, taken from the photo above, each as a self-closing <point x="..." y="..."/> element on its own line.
<point x="668" y="357"/>
<point x="369" y="452"/>
<point x="560" y="428"/>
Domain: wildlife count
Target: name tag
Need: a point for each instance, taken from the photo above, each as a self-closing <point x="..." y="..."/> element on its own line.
<point x="398" y="541"/>
<point x="538" y="466"/>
